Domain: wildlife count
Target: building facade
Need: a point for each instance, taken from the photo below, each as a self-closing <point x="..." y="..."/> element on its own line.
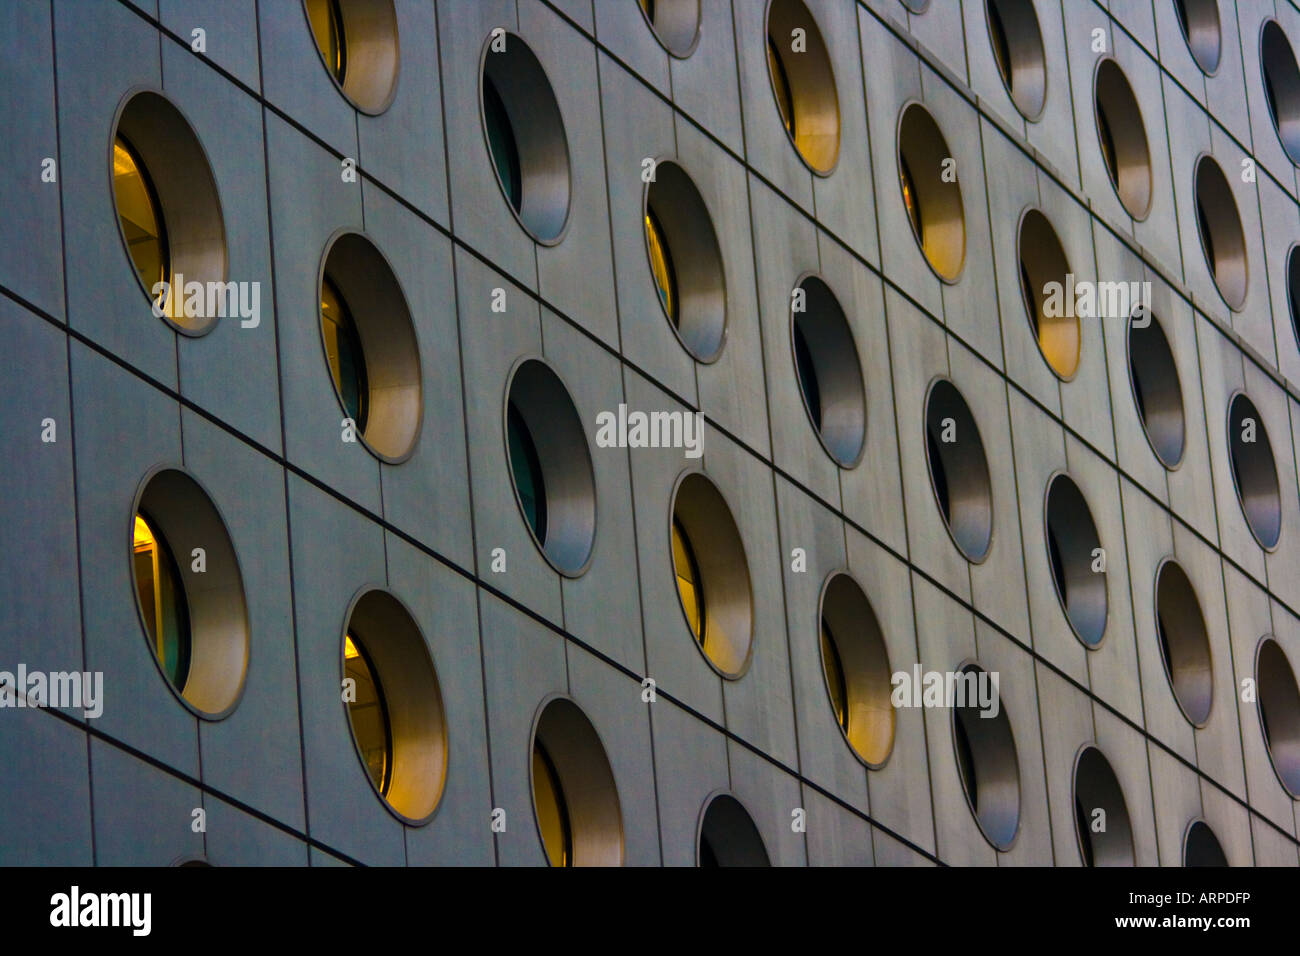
<point x="649" y="432"/>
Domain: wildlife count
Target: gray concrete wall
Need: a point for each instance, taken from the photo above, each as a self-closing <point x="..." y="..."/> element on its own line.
<point x="250" y="413"/>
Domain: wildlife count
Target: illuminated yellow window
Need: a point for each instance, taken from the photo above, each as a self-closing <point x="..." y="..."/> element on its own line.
<point x="689" y="585"/>
<point x="162" y="601"/>
<point x="343" y="352"/>
<point x="140" y="214"/>
<point x="910" y="200"/>
<point x="552" y="813"/>
<point x="327" y="27"/>
<point x="780" y="84"/>
<point x="661" y="265"/>
<point x="368" y="714"/>
<point x="835" y="677"/>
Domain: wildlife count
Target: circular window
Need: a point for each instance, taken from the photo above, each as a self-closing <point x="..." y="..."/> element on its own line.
<point x="1017" y="45"/>
<point x="1279" y="712"/>
<point x="931" y="194"/>
<point x="1074" y="550"/>
<point x="685" y="261"/>
<point x="855" y="663"/>
<point x="712" y="575"/>
<point x="959" y="470"/>
<point x="357" y="40"/>
<point x="1153" y="375"/>
<point x="1281" y="86"/>
<point x="829" y="371"/>
<point x="1293" y="288"/>
<point x="394" y="706"/>
<point x="675" y="24"/>
<point x="524" y="130"/>
<point x="370" y="346"/>
<point x="799" y="67"/>
<point x="550" y="466"/>
<point x="1044" y="281"/>
<point x="1123" y="137"/>
<point x="1201" y="847"/>
<point x="1100" y="813"/>
<point x="1254" y="473"/>
<point x="189" y="592"/>
<point x="1222" y="238"/>
<point x="986" y="757"/>
<point x="1184" y="642"/>
<point x="575" y="799"/>
<point x="168" y="212"/>
<point x="728" y="836"/>
<point x="1199" y="20"/>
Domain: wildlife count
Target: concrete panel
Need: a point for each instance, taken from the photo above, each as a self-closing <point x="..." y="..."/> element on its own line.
<point x="1013" y="188"/>
<point x="31" y="257"/>
<point x="919" y="354"/>
<point x="143" y="816"/>
<point x="894" y="788"/>
<point x="41" y="624"/>
<point x="444" y="605"/>
<point x="844" y="201"/>
<point x="612" y="701"/>
<point x="1054" y="135"/>
<point x="1018" y="696"/>
<point x="235" y="838"/>
<point x="309" y="202"/>
<point x="770" y="795"/>
<point x="1230" y="822"/>
<point x="602" y="607"/>
<point x="105" y="51"/>
<point x="639" y="126"/>
<point x="835" y="836"/>
<point x="1039" y="444"/>
<point x="124" y="428"/>
<point x="825" y="758"/>
<point x="295" y="80"/>
<point x="253" y="754"/>
<point x="1225" y="90"/>
<point x="730" y="388"/>
<point x="1222" y="374"/>
<point x="940" y="30"/>
<point x="336" y="553"/>
<point x="1176" y="796"/>
<point x="491" y="343"/>
<point x="758" y="706"/>
<point x="690" y="764"/>
<point x="224" y="117"/>
<point x="576" y="275"/>
<point x="1113" y="665"/>
<point x="427" y="495"/>
<point x="51" y="811"/>
<point x="1070" y="727"/>
<point x="767" y="145"/>
<point x="786" y="247"/>
<point x="945" y="635"/>
<point x="705" y="85"/>
<point x="1126" y="750"/>
<point x="673" y="657"/>
<point x="523" y="665"/>
<point x="970" y="305"/>
<point x="480" y="213"/>
<point x="402" y="147"/>
<point x="229" y="33"/>
<point x="1005" y="604"/>
<point x="871" y="493"/>
<point x="1085" y="404"/>
<point x="891" y="77"/>
<point x="624" y="31"/>
<point x="1192" y="485"/>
